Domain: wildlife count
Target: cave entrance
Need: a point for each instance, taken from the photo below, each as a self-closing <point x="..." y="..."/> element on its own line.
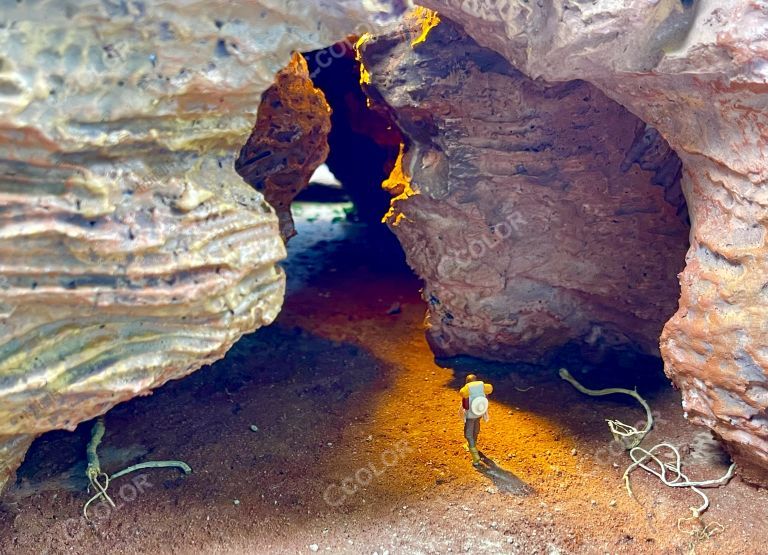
<point x="341" y="402"/>
<point x="547" y="229"/>
<point x="364" y="143"/>
<point x="319" y="153"/>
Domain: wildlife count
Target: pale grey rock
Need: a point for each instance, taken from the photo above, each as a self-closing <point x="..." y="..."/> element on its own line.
<point x="130" y="251"/>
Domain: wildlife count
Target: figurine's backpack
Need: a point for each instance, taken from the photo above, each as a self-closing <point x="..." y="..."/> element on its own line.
<point x="477" y="402"/>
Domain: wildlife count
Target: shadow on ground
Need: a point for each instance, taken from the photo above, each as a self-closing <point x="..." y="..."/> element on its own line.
<point x="504" y="480"/>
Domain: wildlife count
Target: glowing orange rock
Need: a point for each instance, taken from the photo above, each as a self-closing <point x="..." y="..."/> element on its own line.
<point x="288" y="142"/>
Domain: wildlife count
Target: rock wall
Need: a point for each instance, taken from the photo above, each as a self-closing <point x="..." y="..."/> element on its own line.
<point x="131" y="253"/>
<point x="696" y="71"/>
<point x="536" y="213"/>
<point x="288" y="142"/>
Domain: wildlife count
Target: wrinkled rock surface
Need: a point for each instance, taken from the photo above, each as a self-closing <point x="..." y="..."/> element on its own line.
<point x="697" y="71"/>
<point x="288" y="142"/>
<point x="537" y="213"/>
<point x="131" y="253"/>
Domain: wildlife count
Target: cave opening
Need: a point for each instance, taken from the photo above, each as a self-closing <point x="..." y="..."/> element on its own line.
<point x="567" y="184"/>
<point x="639" y="231"/>
<point x="539" y="225"/>
<point x="364" y="142"/>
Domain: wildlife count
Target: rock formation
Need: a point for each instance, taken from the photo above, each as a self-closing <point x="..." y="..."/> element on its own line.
<point x="131" y="253"/>
<point x="288" y="142"/>
<point x="537" y="213"/>
<point x="695" y="70"/>
<point x="536" y="204"/>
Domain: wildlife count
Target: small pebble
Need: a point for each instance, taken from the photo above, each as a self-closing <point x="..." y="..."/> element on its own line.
<point x="314" y="547"/>
<point x="236" y="502"/>
<point x="573" y="452"/>
<point x="612" y="503"/>
<point x="254" y="428"/>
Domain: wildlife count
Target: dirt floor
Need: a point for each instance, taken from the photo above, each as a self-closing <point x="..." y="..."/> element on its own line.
<point x="335" y="430"/>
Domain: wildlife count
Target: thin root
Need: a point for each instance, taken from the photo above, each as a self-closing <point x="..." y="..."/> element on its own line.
<point x="700" y="532"/>
<point x="184" y="467"/>
<point x="100" y="480"/>
<point x="678" y="480"/>
<point x="643" y="458"/>
<point x="628" y="435"/>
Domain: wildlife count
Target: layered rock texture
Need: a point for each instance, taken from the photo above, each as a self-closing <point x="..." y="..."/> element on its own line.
<point x="131" y="253"/>
<point x="536" y="213"/>
<point x="697" y="72"/>
<point x="288" y="142"/>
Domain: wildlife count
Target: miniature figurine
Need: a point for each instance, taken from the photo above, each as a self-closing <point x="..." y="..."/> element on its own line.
<point x="474" y="406"/>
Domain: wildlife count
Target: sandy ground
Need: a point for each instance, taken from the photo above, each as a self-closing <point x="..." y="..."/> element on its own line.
<point x="336" y="431"/>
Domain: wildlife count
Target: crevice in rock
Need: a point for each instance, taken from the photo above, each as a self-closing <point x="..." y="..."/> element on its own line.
<point x="364" y="142"/>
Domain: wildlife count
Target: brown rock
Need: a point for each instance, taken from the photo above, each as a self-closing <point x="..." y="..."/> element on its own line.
<point x="696" y="71"/>
<point x="288" y="142"/>
<point x="535" y="213"/>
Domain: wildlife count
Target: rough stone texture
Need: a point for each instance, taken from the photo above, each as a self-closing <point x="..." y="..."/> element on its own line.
<point x="131" y="253"/>
<point x="697" y="71"/>
<point x="527" y="217"/>
<point x="288" y="142"/>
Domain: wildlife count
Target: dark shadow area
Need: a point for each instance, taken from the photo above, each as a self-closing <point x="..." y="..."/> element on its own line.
<point x="329" y="245"/>
<point x="317" y="192"/>
<point x="191" y="419"/>
<point x="503" y="479"/>
<point x="364" y="144"/>
<point x="617" y="368"/>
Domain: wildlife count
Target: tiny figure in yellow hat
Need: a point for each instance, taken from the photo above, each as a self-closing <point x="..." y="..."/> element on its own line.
<point x="474" y="406"/>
